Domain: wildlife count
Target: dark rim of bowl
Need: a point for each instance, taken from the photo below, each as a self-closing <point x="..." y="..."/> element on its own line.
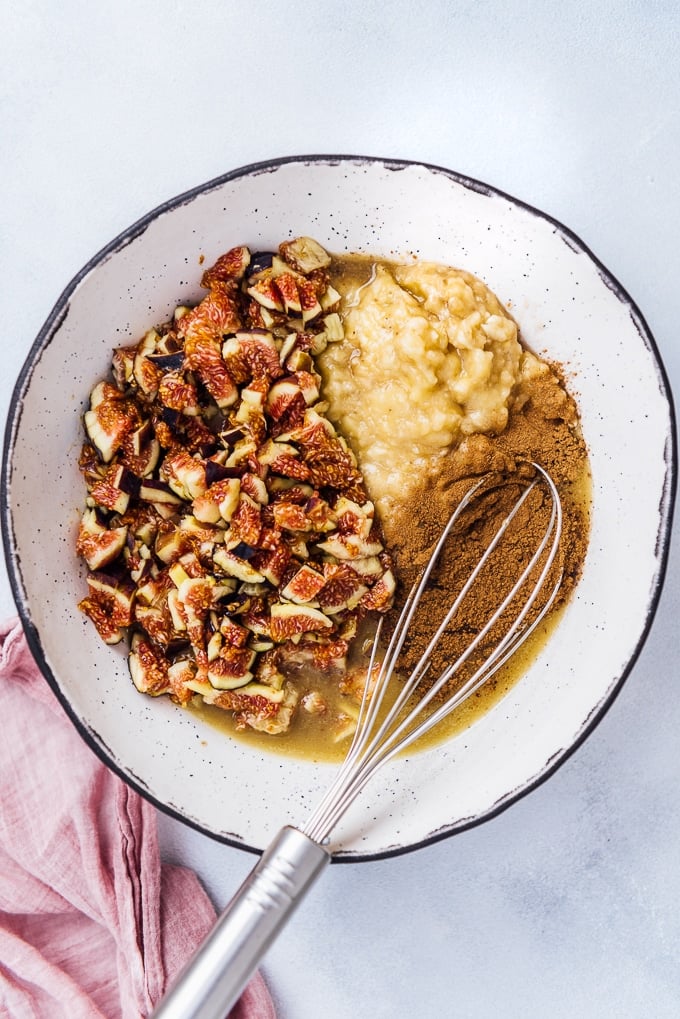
<point x="51" y="325"/>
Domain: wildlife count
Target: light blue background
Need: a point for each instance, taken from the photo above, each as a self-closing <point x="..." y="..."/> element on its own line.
<point x="567" y="904"/>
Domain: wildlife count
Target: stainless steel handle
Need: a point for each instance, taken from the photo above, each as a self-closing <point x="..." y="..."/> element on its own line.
<point x="213" y="979"/>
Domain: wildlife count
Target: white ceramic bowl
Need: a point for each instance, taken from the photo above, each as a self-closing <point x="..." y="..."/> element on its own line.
<point x="567" y="305"/>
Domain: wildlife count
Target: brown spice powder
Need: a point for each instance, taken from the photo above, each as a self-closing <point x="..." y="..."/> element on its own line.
<point x="543" y="427"/>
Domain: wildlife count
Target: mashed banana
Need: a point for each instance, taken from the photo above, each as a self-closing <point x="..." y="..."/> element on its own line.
<point x="430" y="356"/>
<point x="434" y="390"/>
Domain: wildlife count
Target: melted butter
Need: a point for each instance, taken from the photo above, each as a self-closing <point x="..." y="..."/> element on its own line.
<point x="314" y="737"/>
<point x="310" y="737"/>
<point x="351" y="274"/>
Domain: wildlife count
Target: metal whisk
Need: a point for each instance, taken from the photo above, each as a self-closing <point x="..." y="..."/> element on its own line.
<point x="213" y="980"/>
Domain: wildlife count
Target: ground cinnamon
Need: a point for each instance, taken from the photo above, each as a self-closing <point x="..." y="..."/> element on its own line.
<point x="542" y="427"/>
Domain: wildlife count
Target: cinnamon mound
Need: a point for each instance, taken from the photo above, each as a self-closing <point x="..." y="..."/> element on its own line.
<point x="543" y="427"/>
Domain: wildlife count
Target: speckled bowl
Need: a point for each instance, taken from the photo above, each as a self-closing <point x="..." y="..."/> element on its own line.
<point x="567" y="305"/>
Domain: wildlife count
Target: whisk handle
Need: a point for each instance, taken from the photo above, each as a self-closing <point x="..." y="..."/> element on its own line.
<point x="213" y="979"/>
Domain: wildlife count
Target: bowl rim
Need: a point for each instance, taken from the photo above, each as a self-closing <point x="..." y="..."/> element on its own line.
<point x="135" y="230"/>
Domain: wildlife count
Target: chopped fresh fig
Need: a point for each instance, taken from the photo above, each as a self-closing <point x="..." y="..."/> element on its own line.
<point x="115" y="598"/>
<point x="304" y="586"/>
<point x="284" y="396"/>
<point x="138" y="562"/>
<point x="108" y="422"/>
<point x="233" y="566"/>
<point x="108" y="492"/>
<point x="141" y="464"/>
<point x="91" y="465"/>
<point x="154" y="589"/>
<point x="140" y="439"/>
<point x="291" y="517"/>
<point x="255" y="488"/>
<point x="265" y="292"/>
<point x="124" y="480"/>
<point x="353" y="518"/>
<point x="185" y="474"/>
<point x="290" y="467"/>
<point x="259" y="707"/>
<point x="320" y="652"/>
<point x="246" y="520"/>
<point x="299" y="360"/>
<point x="350" y="546"/>
<point x="214" y="646"/>
<point x="260" y="261"/>
<point x="218" y="502"/>
<point x="122" y="366"/>
<point x="250" y="413"/>
<point x="104" y="392"/>
<point x="304" y="254"/>
<point x="343" y="588"/>
<point x="228" y="267"/>
<point x="322" y="517"/>
<point x="146" y="374"/>
<point x="370" y="566"/>
<point x="288" y="620"/>
<point x="217" y="315"/>
<point x="242" y="451"/>
<point x="309" y="302"/>
<point x="231" y="511"/>
<point x="158" y="492"/>
<point x="168" y="362"/>
<point x="202" y="531"/>
<point x="180" y="674"/>
<point x="197" y="597"/>
<point x="177" y="392"/>
<point x="288" y="490"/>
<point x="308" y="385"/>
<point x="171" y="545"/>
<point x="272" y="564"/>
<point x="313" y="703"/>
<point x="270" y="451"/>
<point x="234" y="635"/>
<point x="109" y="632"/>
<point x="252" y="610"/>
<point x="166" y="511"/>
<point x="203" y="328"/>
<point x="176" y="610"/>
<point x="380" y="596"/>
<point x="157" y="623"/>
<point x="99" y="545"/>
<point x="231" y="668"/>
<point x="216" y="471"/>
<point x="268" y="673"/>
<point x="287" y="347"/>
<point x="287" y="287"/>
<point x="148" y="667"/>
<point x="243" y="551"/>
<point x="252" y="354"/>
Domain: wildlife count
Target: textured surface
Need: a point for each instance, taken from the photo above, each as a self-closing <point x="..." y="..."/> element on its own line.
<point x="563" y="905"/>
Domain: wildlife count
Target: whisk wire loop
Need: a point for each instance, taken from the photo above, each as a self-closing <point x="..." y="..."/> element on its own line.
<point x="378" y="740"/>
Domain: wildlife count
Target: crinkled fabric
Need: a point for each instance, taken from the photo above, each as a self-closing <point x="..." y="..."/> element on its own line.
<point x="92" y="925"/>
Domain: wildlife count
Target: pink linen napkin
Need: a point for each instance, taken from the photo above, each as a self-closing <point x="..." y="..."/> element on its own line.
<point x="92" y="926"/>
